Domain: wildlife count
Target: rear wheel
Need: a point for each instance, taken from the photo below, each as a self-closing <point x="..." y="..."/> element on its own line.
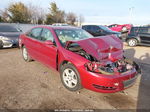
<point x="70" y="77"/>
<point x="25" y="54"/>
<point x="132" y="42"/>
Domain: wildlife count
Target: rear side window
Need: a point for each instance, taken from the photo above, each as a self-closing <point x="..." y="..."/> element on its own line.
<point x="47" y="35"/>
<point x="35" y="33"/>
<point x="95" y="28"/>
<point x="143" y="30"/>
<point x="134" y="30"/>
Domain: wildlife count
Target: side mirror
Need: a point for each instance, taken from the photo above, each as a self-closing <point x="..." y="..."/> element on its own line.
<point x="20" y="30"/>
<point x="49" y="42"/>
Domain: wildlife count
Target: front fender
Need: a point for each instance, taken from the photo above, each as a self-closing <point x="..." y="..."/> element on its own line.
<point x="68" y="56"/>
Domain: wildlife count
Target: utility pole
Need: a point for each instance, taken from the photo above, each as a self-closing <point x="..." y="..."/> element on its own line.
<point x="131" y="15"/>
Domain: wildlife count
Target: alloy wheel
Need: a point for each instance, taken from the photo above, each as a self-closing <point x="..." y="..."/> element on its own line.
<point x="25" y="53"/>
<point x="70" y="78"/>
<point x="132" y="42"/>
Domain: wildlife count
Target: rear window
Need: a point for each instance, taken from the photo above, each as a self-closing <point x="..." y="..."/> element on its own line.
<point x="5" y="28"/>
<point x="86" y="27"/>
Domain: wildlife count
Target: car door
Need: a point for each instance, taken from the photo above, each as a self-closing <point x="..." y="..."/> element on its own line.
<point x="32" y="43"/>
<point x="145" y="35"/>
<point x="48" y="53"/>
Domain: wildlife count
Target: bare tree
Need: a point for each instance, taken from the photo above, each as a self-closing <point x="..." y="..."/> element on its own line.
<point x="71" y="18"/>
<point x="5" y="17"/>
<point x="37" y="14"/>
<point x="80" y="20"/>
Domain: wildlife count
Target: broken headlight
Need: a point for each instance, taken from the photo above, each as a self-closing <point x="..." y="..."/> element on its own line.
<point x="98" y="68"/>
<point x="111" y="68"/>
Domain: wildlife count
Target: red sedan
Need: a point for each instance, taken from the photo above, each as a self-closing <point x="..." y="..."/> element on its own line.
<point x="95" y="63"/>
<point x="120" y="28"/>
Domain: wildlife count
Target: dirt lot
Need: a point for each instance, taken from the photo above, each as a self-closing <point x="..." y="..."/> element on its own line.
<point x="32" y="86"/>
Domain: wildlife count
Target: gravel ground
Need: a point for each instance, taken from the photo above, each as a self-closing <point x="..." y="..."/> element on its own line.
<point x="32" y="86"/>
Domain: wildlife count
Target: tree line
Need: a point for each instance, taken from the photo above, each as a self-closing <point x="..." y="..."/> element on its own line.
<point x="20" y="13"/>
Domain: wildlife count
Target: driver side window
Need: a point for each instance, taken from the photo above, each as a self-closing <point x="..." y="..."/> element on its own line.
<point x="47" y="35"/>
<point x="35" y="33"/>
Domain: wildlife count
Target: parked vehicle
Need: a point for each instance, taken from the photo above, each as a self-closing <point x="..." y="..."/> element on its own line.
<point x="95" y="63"/>
<point x="9" y="36"/>
<point x="99" y="30"/>
<point x="139" y="36"/>
<point x="60" y="24"/>
<point x="120" y="28"/>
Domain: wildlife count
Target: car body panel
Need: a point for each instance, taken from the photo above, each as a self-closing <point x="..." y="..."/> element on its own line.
<point x="103" y="48"/>
<point x="48" y="55"/>
<point x="88" y="79"/>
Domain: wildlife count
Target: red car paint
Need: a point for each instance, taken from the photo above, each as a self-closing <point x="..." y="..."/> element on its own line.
<point x="100" y="47"/>
<point x="119" y="28"/>
<point x="53" y="57"/>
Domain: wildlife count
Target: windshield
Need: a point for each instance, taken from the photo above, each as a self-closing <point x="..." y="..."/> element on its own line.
<point x="65" y="35"/>
<point x="6" y="28"/>
<point x="105" y="28"/>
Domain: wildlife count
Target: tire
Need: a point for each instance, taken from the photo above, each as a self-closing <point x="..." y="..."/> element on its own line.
<point x="25" y="54"/>
<point x="70" y="77"/>
<point x="1" y="44"/>
<point x="132" y="42"/>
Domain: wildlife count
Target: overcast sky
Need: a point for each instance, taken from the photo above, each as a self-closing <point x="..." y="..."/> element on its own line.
<point x="99" y="11"/>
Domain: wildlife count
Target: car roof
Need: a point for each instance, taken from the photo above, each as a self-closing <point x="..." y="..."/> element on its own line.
<point x="95" y="25"/>
<point x="141" y="27"/>
<point x="56" y="27"/>
<point x="90" y="25"/>
<point x="3" y="25"/>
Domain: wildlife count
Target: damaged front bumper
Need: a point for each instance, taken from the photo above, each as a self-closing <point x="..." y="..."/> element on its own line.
<point x="109" y="83"/>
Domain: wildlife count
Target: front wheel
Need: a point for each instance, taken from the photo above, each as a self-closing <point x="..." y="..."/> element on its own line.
<point x="70" y="77"/>
<point x="25" y="54"/>
<point x="132" y="42"/>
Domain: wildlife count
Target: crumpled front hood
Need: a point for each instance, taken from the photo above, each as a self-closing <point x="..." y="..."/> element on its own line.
<point x="103" y="47"/>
